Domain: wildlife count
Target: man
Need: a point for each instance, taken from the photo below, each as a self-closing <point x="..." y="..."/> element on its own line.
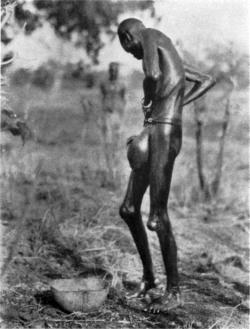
<point x="152" y="153"/>
<point x="113" y="104"/>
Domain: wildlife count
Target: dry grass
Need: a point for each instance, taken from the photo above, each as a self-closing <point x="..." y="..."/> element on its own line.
<point x="59" y="214"/>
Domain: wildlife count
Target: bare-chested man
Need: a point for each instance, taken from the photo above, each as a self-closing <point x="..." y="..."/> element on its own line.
<point x="152" y="153"/>
<point x="113" y="104"/>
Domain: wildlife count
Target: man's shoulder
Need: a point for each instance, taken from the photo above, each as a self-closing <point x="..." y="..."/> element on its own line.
<point x="154" y="35"/>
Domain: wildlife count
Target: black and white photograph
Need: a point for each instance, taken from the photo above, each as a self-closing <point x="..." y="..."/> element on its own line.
<point x="125" y="164"/>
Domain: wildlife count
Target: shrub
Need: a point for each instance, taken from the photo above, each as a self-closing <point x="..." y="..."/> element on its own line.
<point x="20" y="77"/>
<point x="43" y="78"/>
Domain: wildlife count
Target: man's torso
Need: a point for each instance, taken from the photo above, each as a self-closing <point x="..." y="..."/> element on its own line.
<point x="113" y="99"/>
<point x="171" y="84"/>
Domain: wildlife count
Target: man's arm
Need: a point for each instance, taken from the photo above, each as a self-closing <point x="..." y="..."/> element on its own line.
<point x="151" y="68"/>
<point x="202" y="83"/>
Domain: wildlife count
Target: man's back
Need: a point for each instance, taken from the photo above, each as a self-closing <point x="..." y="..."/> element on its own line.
<point x="160" y="47"/>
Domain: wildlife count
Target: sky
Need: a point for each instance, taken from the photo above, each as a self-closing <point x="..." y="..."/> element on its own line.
<point x="197" y="23"/>
<point x="211" y="19"/>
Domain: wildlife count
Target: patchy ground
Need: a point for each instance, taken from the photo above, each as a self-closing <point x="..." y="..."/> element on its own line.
<point x="60" y="214"/>
<point x="213" y="271"/>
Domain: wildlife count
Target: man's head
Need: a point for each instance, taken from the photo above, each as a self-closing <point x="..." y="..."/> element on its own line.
<point x="129" y="32"/>
<point x="113" y="70"/>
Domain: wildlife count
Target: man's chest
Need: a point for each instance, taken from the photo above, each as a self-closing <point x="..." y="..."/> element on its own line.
<point x="113" y="89"/>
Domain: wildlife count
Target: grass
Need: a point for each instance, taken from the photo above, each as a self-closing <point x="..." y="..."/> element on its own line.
<point x="58" y="210"/>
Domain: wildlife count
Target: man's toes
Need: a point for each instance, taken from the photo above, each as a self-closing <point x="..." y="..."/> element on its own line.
<point x="155" y="309"/>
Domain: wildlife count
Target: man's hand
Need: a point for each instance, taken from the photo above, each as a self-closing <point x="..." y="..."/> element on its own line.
<point x="146" y="107"/>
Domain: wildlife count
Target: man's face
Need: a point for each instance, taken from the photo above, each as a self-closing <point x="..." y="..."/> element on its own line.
<point x="137" y="52"/>
<point x="132" y="46"/>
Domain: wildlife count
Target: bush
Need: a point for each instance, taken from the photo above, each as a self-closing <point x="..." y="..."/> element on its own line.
<point x="20" y="77"/>
<point x="43" y="77"/>
<point x="94" y="78"/>
<point x="76" y="73"/>
<point x="90" y="80"/>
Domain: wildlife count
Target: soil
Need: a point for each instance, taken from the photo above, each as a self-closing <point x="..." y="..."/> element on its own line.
<point x="213" y="279"/>
<point x="60" y="215"/>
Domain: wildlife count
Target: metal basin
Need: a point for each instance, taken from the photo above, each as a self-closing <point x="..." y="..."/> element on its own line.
<point x="80" y="294"/>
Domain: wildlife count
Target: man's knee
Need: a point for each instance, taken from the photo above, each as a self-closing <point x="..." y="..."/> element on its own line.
<point x="127" y="213"/>
<point x="158" y="222"/>
<point x="153" y="223"/>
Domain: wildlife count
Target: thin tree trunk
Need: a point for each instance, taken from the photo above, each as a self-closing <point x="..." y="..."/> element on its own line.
<point x="199" y="154"/>
<point x="216" y="182"/>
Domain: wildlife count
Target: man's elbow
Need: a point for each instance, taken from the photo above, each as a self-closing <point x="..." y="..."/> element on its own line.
<point x="209" y="82"/>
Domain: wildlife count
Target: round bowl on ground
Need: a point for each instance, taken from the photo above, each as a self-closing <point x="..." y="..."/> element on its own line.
<point x="84" y="294"/>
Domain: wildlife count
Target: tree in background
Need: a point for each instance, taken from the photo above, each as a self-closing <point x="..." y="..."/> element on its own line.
<point x="82" y="22"/>
<point x="230" y="68"/>
<point x="209" y="189"/>
<point x="223" y="61"/>
<point x="10" y="122"/>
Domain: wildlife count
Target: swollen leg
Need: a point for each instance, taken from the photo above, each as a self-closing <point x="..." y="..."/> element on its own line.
<point x="169" y="251"/>
<point x="130" y="212"/>
<point x="171" y="298"/>
<point x="159" y="221"/>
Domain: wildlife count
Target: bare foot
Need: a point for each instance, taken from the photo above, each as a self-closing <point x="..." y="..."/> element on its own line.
<point x="142" y="299"/>
<point x="166" y="303"/>
<point x="145" y="286"/>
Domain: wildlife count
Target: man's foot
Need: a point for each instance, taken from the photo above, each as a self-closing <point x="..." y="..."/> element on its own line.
<point x="169" y="301"/>
<point x="145" y="286"/>
<point x="142" y="298"/>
